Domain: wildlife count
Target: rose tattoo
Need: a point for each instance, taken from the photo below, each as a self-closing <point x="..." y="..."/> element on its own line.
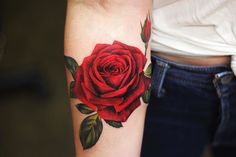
<point x="111" y="80"/>
<point x="110" y="83"/>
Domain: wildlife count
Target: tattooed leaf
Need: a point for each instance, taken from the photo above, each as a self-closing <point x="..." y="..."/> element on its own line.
<point x="84" y="108"/>
<point x="146" y="96"/>
<point x="114" y="124"/>
<point x="71" y="64"/>
<point x="72" y="85"/>
<point x="90" y="131"/>
<point x="148" y="71"/>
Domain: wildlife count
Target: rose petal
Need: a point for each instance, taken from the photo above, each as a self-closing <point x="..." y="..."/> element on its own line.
<point x="96" y="74"/>
<point x="101" y="87"/>
<point x="96" y="99"/>
<point x="139" y="58"/>
<point x="98" y="48"/>
<point x="86" y="76"/>
<point x="132" y="95"/>
<point x="130" y="72"/>
<point x="114" y="81"/>
<point x="109" y="49"/>
<point x="122" y="45"/>
<point x="120" y="92"/>
<point x="108" y="113"/>
<point x="78" y="90"/>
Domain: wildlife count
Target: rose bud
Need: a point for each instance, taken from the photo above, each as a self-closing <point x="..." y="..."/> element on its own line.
<point x="146" y="29"/>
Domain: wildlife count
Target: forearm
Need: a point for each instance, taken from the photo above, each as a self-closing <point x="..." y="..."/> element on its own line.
<point x="94" y="30"/>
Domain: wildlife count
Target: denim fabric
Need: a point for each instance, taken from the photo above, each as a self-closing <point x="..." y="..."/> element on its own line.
<point x="190" y="107"/>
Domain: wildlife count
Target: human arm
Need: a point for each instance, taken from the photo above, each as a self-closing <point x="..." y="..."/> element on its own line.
<point x="107" y="57"/>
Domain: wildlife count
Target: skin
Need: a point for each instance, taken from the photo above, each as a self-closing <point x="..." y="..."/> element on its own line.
<point x="90" y="22"/>
<point x="196" y="60"/>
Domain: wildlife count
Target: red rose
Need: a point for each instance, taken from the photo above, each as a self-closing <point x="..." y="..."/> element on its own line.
<point x="146" y="30"/>
<point x="111" y="80"/>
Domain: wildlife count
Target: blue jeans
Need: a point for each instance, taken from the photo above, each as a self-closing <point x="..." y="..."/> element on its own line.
<point x="190" y="107"/>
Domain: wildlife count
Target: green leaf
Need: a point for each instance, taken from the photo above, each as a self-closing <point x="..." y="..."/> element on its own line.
<point x="114" y="124"/>
<point x="142" y="32"/>
<point x="141" y="26"/>
<point x="84" y="108"/>
<point x="90" y="131"/>
<point x="72" y="85"/>
<point x="71" y="64"/>
<point x="146" y="96"/>
<point x="148" y="71"/>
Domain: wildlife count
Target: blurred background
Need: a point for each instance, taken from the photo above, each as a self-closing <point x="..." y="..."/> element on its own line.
<point x="35" y="118"/>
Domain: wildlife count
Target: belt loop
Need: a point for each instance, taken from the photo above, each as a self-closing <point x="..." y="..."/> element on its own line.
<point x="159" y="73"/>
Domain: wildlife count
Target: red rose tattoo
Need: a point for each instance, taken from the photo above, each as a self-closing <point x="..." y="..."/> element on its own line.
<point x="111" y="80"/>
<point x="110" y="83"/>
